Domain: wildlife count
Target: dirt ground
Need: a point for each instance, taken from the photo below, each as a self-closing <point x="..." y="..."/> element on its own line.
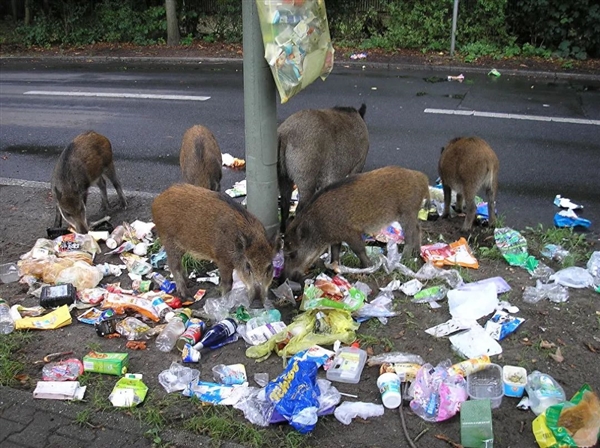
<point x="574" y="327"/>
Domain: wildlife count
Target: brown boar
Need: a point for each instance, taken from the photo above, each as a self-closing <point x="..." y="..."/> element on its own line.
<point x="317" y="147"/>
<point x="212" y="226"/>
<point x="200" y="158"/>
<point x="468" y="164"/>
<point x="345" y="210"/>
<point x="86" y="161"/>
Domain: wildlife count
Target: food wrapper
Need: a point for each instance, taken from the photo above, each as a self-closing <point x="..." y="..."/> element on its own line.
<point x="513" y="247"/>
<point x="297" y="43"/>
<point x="575" y="423"/>
<point x="230" y="375"/>
<point x="122" y="302"/>
<point x="315" y="298"/>
<point x="233" y="162"/>
<point x="502" y="324"/>
<point x="58" y="318"/>
<point x="77" y="246"/>
<point x="93" y="296"/>
<point x="81" y="275"/>
<point x="94" y="315"/>
<point x="133" y="329"/>
<point x="129" y="391"/>
<point x="456" y="253"/>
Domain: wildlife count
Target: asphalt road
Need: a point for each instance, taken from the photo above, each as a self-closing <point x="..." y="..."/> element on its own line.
<point x="543" y="152"/>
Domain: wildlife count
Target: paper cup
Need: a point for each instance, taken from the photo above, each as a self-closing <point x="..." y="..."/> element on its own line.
<point x="389" y="386"/>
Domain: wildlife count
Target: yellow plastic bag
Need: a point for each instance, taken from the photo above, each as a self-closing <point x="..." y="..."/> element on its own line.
<point x="58" y="318"/>
<point x="297" y="43"/>
<point x="304" y="333"/>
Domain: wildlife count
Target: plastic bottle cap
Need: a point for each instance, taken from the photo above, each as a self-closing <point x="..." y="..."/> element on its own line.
<point x="355" y="345"/>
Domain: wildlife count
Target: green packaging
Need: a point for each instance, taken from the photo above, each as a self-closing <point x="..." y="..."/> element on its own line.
<point x="476" y="424"/>
<point x="108" y="363"/>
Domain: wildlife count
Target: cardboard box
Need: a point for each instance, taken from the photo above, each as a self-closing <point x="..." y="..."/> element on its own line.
<point x="476" y="424"/>
<point x="109" y="363"/>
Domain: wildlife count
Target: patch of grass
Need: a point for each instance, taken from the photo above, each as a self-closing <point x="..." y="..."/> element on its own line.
<point x="10" y="363"/>
<point x="193" y="264"/>
<point x="367" y="340"/>
<point x="575" y="243"/>
<point x="489" y="253"/>
<point x="94" y="346"/>
<point x="82" y="418"/>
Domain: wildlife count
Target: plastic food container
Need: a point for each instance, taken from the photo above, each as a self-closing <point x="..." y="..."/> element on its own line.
<point x="515" y="380"/>
<point x="9" y="272"/>
<point x="486" y="383"/>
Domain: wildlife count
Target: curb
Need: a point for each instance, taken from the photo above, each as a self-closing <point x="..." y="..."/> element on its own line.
<point x="376" y="65"/>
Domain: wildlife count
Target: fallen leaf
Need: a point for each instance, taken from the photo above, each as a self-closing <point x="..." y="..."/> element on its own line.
<point x="399" y="335"/>
<point x="558" y="357"/>
<point x="547" y="344"/>
<point x="561" y="342"/>
<point x="136" y="345"/>
<point x="23" y="378"/>
<point x="591" y="348"/>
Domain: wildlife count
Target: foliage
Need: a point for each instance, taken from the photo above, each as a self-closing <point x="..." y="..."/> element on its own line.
<point x="10" y="362"/>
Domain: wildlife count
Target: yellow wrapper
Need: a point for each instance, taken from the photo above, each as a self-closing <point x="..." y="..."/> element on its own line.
<point x="58" y="318"/>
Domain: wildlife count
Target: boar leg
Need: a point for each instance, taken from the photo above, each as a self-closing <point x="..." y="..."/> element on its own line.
<point x="57" y="218"/>
<point x="460" y="202"/>
<point x="412" y="237"/>
<point x="174" y="258"/>
<point x="447" y="198"/>
<point x="112" y="176"/>
<point x="470" y="212"/>
<point x="226" y="273"/>
<point x="491" y="200"/>
<point x="286" y="186"/>
<point x="102" y="186"/>
<point x="335" y="252"/>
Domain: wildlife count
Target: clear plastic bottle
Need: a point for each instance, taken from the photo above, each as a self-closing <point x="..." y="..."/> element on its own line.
<point x="217" y="333"/>
<point x="116" y="237"/>
<point x="167" y="338"/>
<point x="7" y="324"/>
<point x="164" y="284"/>
<point x="265" y="317"/>
<point x="162" y="309"/>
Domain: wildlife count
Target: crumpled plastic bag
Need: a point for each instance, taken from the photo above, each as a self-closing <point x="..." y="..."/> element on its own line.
<point x="513" y="247"/>
<point x="351" y="409"/>
<point x="574" y="423"/>
<point x="295" y="392"/>
<point x="297" y="43"/>
<point x="81" y="275"/>
<point x="301" y="334"/>
<point x="573" y="277"/>
<point x="554" y="292"/>
<point x="177" y="377"/>
<point x="437" y="394"/>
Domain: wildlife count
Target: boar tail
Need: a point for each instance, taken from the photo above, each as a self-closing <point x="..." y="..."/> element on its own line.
<point x="362" y="110"/>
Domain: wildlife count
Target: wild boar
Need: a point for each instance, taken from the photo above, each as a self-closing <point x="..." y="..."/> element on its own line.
<point x="317" y="147"/>
<point x="84" y="162"/>
<point x="345" y="210"/>
<point x="200" y="158"/>
<point x="212" y="226"/>
<point x="468" y="164"/>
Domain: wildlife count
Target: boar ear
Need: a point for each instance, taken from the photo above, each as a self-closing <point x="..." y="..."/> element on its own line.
<point x="242" y="242"/>
<point x="443" y="147"/>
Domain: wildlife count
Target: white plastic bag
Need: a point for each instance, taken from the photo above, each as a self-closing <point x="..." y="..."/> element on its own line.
<point x="349" y="410"/>
<point x="573" y="277"/>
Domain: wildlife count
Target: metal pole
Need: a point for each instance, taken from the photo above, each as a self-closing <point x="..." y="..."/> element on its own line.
<point x="260" y="116"/>
<point x="454" y="19"/>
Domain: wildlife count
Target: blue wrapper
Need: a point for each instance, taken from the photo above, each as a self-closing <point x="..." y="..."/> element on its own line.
<point x="502" y="324"/>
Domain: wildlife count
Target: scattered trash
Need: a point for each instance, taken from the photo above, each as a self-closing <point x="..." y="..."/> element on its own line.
<point x="456" y="253"/>
<point x="358" y="56"/>
<point x="515" y="380"/>
<point x="389" y="386"/>
<point x="437" y="395"/>
<point x="499" y="283"/>
<point x="411" y="287"/>
<point x="261" y="379"/>
<point x="326" y="294"/>
<point x="67" y="370"/>
<point x="177" y="377"/>
<point x="573" y="277"/>
<point x="551" y="291"/>
<point x="513" y="247"/>
<point x="568" y="218"/>
<point x="475" y="342"/>
<point x="494" y="72"/>
<point x="108" y="363"/>
<point x="543" y="391"/>
<point x="554" y="252"/>
<point x="347" y="365"/>
<point x="53" y="296"/>
<point x="476" y="424"/>
<point x="559" y="201"/>
<point x="473" y="304"/>
<point x="233" y="162"/>
<point x="59" y="390"/>
<point x="394" y="357"/>
<point x="129" y="391"/>
<point x="58" y="318"/>
<point x="349" y="410"/>
<point x="486" y="384"/>
<point x="431" y="296"/>
<point x="459" y="78"/>
<point x="593" y="267"/>
<point x="9" y="273"/>
<point x="232" y="375"/>
<point x="215" y="393"/>
<point x="569" y="424"/>
<point x="134" y="329"/>
<point x="502" y="324"/>
<point x="167" y="338"/>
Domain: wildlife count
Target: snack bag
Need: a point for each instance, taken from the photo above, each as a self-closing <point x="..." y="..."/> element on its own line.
<point x="297" y="43"/>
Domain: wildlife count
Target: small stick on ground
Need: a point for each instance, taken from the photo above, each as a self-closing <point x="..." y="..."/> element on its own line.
<point x="421" y="434"/>
<point x="522" y="426"/>
<point x="447" y="440"/>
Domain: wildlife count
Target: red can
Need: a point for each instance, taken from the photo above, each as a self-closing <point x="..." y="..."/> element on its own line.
<point x="192" y="334"/>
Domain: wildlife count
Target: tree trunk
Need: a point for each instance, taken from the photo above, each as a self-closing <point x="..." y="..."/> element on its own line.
<point x="15" y="10"/>
<point x="27" y="12"/>
<point x="172" y="25"/>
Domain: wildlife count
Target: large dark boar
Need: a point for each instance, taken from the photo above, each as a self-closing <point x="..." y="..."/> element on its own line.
<point x="316" y="148"/>
<point x="343" y="211"/>
<point x="212" y="226"/>
<point x="468" y="164"/>
<point x="86" y="161"/>
<point x="200" y="158"/>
